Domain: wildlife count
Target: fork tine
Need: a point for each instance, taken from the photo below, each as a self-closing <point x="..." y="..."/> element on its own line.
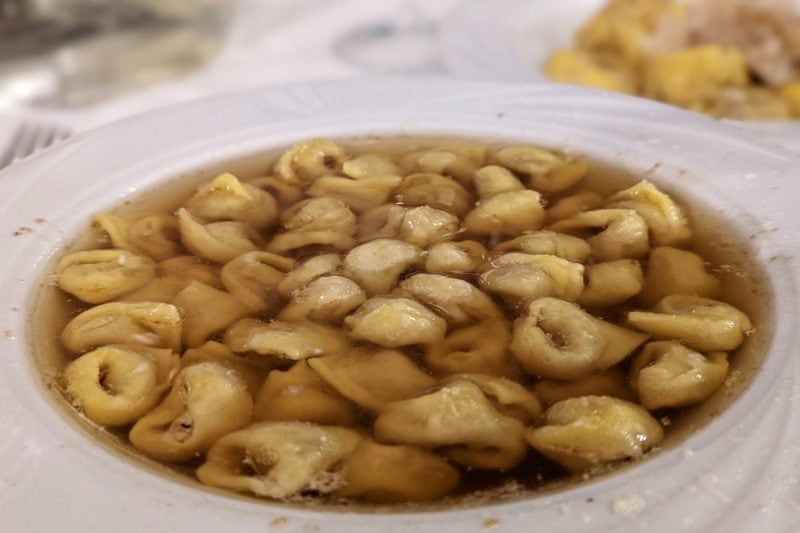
<point x="28" y="138"/>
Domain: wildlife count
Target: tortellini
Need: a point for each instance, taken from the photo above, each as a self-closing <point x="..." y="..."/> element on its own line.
<point x="548" y="243"/>
<point x="226" y="198"/>
<point x="372" y="378"/>
<point x="116" y="384"/>
<point x="309" y="160"/>
<point x="668" y="225"/>
<point x="253" y="278"/>
<point x="286" y="340"/>
<point x="326" y="299"/>
<point x="556" y="339"/>
<point x="301" y="394"/>
<point x="434" y="191"/>
<point x="480" y="348"/>
<point x="386" y="326"/>
<point x="623" y="233"/>
<point x="216" y="241"/>
<point x="197" y="301"/>
<point x="279" y="459"/>
<point x="383" y="473"/>
<point x="207" y="401"/>
<point x="378" y="264"/>
<point x="97" y="276"/>
<point x="668" y="374"/>
<point x="394" y="322"/>
<point x="506" y="213"/>
<point x="583" y="432"/>
<point x="700" y="323"/>
<point x="675" y="271"/>
<point x="147" y="323"/>
<point x="156" y="236"/>
<point x="450" y="257"/>
<point x="520" y="277"/>
<point x="454" y="299"/>
<point x="611" y="283"/>
<point x="546" y="171"/>
<point x="459" y="421"/>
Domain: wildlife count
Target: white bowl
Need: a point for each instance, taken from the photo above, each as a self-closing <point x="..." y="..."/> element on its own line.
<point x="510" y="40"/>
<point x="738" y="473"/>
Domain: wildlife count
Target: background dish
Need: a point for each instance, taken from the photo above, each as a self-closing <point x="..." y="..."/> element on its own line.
<point x="511" y="40"/>
<point x="736" y="474"/>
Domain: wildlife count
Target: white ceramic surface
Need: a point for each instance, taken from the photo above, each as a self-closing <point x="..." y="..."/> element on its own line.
<point x="510" y="40"/>
<point x="739" y="474"/>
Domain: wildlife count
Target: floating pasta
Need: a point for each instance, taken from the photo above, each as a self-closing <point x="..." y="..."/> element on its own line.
<point x="326" y="299"/>
<point x="623" y="234"/>
<point x="207" y="311"/>
<point x="116" y="384"/>
<point x="315" y="214"/>
<point x="668" y="225"/>
<point x="359" y="195"/>
<point x="548" y="243"/>
<point x="97" y="276"/>
<point x="604" y="383"/>
<point x="674" y="271"/>
<point x="156" y="236"/>
<point x="508" y="396"/>
<point x="394" y="322"/>
<point x="227" y="198"/>
<point x="378" y="264"/>
<point x="611" y="283"/>
<point x="450" y="257"/>
<point x="301" y="394"/>
<point x="507" y="213"/>
<point x="425" y="226"/>
<point x="148" y="323"/>
<point x="283" y="193"/>
<point x="308" y="271"/>
<point x="253" y="279"/>
<point x="519" y="277"/>
<point x="207" y="401"/>
<point x="580" y="433"/>
<point x="308" y="160"/>
<point x="373" y="377"/>
<point x="572" y="205"/>
<point x="556" y="339"/>
<point x="460" y="422"/>
<point x="370" y="166"/>
<point x="382" y="222"/>
<point x="700" y="323"/>
<point x="252" y="372"/>
<point x="383" y="473"/>
<point x="279" y="459"/>
<point x="286" y="340"/>
<point x="668" y="374"/>
<point x="455" y="160"/>
<point x="454" y="299"/>
<point x="436" y="191"/>
<point x="494" y="179"/>
<point x="192" y="267"/>
<point x="480" y="348"/>
<point x="547" y="172"/>
<point x="216" y="241"/>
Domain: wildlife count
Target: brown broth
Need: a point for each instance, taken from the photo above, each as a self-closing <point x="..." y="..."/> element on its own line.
<point x="726" y="253"/>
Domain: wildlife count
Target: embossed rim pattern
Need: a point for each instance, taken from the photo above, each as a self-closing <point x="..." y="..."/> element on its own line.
<point x="736" y="474"/>
<point x="510" y="40"/>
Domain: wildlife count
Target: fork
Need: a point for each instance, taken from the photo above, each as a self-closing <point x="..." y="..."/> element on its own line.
<point x="29" y="138"/>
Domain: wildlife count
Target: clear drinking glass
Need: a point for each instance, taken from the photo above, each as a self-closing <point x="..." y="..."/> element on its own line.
<point x="77" y="52"/>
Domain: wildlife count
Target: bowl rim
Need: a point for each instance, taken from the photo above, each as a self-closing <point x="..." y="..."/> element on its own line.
<point x="146" y="149"/>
